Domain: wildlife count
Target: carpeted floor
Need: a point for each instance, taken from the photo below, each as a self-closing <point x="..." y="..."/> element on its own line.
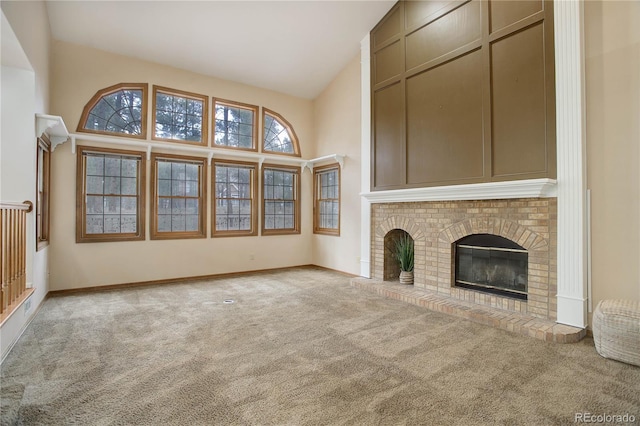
<point x="298" y="347"/>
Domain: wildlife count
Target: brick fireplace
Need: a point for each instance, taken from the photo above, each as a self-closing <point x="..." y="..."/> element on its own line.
<point x="525" y="213"/>
<point x="436" y="226"/>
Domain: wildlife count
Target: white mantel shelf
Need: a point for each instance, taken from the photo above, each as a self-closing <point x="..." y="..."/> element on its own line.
<point x="529" y="188"/>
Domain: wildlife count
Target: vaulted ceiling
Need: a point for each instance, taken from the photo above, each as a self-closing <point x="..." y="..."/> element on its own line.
<point x="293" y="47"/>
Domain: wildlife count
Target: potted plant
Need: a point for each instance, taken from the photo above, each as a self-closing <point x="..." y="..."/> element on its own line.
<point x="404" y="254"/>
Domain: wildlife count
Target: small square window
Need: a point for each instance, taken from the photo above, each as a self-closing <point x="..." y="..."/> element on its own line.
<point x="235" y="125"/>
<point x="179" y="116"/>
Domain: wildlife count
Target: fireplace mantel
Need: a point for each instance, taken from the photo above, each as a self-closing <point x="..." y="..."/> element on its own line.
<point x="572" y="207"/>
<point x="529" y="188"/>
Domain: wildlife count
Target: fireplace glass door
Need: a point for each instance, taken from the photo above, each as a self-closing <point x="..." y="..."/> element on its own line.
<point x="491" y="264"/>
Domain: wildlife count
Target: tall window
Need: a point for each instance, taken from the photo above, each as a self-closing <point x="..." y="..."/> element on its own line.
<point x="119" y="110"/>
<point x="234" y="208"/>
<point x="179" y="116"/>
<point x="178" y="189"/>
<point x="235" y="125"/>
<point x="42" y="203"/>
<point x="326" y="191"/>
<point x="281" y="203"/>
<point x="110" y="191"/>
<point x="279" y="136"/>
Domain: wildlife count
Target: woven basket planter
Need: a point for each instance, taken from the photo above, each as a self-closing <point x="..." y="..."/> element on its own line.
<point x="616" y="330"/>
<point x="406" y="277"/>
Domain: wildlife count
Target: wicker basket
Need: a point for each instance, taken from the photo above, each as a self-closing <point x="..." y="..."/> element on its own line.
<point x="616" y="330"/>
<point x="406" y="277"/>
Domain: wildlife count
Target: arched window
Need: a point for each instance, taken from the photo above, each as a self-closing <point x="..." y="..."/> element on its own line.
<point x="119" y="110"/>
<point x="279" y="136"/>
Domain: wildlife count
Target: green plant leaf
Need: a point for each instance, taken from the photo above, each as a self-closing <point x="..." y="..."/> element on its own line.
<point x="404" y="252"/>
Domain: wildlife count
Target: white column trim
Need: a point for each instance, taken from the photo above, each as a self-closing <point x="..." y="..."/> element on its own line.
<point x="571" y="158"/>
<point x="365" y="157"/>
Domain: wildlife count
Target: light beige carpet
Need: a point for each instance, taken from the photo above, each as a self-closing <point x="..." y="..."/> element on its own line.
<point x="298" y="347"/>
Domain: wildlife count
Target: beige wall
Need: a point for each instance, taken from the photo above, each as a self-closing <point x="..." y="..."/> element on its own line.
<point x="30" y="23"/>
<point x="77" y="73"/>
<point x="612" y="43"/>
<point x="337" y="118"/>
<point x="24" y="92"/>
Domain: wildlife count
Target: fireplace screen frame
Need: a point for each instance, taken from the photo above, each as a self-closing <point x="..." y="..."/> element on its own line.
<point x="499" y="259"/>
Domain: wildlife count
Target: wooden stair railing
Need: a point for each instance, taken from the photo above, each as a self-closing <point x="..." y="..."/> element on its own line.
<point x="13" y="254"/>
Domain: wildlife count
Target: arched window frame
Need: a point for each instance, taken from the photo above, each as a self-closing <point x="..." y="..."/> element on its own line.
<point x="144" y="87"/>
<point x="284" y="123"/>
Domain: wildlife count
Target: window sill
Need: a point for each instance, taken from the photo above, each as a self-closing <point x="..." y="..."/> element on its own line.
<point x="177" y="236"/>
<point x="268" y="232"/>
<point x="330" y="232"/>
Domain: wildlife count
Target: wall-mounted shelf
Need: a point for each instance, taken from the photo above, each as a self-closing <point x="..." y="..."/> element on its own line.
<point x="210" y="153"/>
<point x="53" y="127"/>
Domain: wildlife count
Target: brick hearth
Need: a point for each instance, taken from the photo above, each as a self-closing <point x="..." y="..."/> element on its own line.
<point x="523" y="324"/>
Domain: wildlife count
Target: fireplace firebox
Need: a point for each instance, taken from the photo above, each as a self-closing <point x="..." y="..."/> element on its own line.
<point x="491" y="264"/>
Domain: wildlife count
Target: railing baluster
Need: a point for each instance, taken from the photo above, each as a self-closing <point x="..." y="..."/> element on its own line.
<point x="10" y="252"/>
<point x="13" y="254"/>
<point x="3" y="267"/>
<point x="15" y="227"/>
<point x="23" y="251"/>
<point x="5" y="260"/>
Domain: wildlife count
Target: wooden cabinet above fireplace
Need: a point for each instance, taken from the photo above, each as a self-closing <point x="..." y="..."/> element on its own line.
<point x="462" y="92"/>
